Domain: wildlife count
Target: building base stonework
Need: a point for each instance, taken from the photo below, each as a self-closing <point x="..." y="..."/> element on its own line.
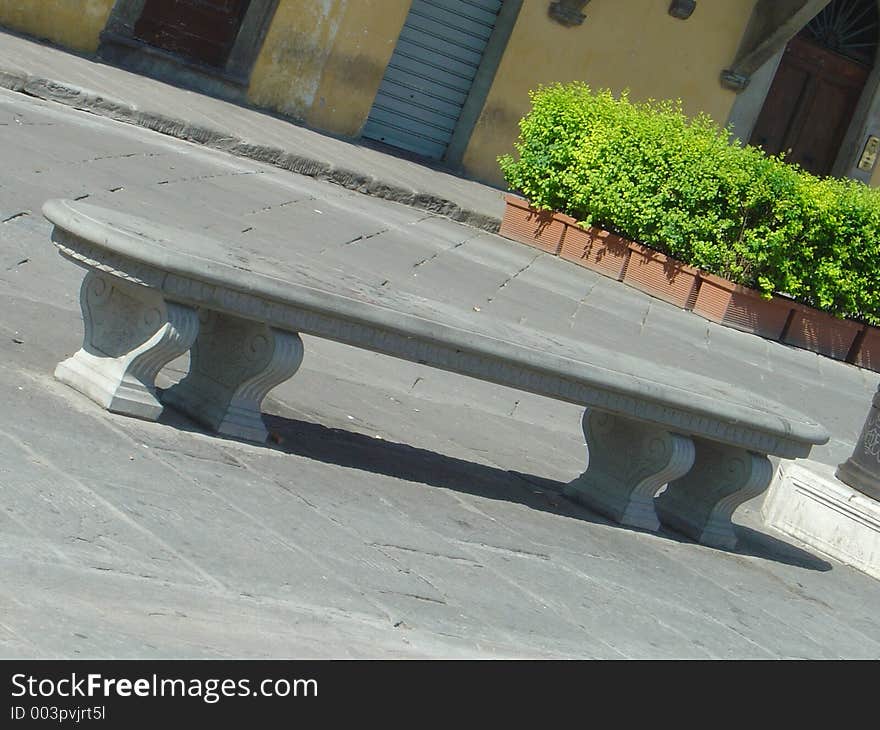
<point x="805" y="500"/>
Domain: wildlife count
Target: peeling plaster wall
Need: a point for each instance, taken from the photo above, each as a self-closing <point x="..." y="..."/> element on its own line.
<point x="323" y="60"/>
<point x="365" y="41"/>
<point x="74" y="24"/>
<point x="288" y="70"/>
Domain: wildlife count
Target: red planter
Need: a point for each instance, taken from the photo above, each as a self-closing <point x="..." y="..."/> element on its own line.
<point x="867" y="350"/>
<point x="710" y="296"/>
<point x="658" y="275"/>
<point x="540" y="229"/>
<point x="595" y="249"/>
<point x="742" y="308"/>
<point x="821" y="332"/>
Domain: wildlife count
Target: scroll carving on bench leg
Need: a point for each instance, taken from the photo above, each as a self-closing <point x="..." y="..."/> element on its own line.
<point x="130" y="334"/>
<point x="701" y="503"/>
<point x="628" y="463"/>
<point x="234" y="363"/>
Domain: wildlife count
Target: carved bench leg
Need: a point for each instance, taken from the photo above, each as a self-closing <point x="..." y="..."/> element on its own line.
<point x="628" y="462"/>
<point x="233" y="365"/>
<point x="701" y="503"/>
<point x="130" y="334"/>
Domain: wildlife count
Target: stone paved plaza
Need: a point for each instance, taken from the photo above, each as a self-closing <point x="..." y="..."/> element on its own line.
<point x="399" y="511"/>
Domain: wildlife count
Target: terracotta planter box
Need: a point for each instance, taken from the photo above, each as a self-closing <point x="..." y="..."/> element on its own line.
<point x="595" y="249"/>
<point x="710" y="296"/>
<point x="867" y="353"/>
<point x="541" y="229"/>
<point x="821" y="332"/>
<point x="742" y="308"/>
<point x="661" y="276"/>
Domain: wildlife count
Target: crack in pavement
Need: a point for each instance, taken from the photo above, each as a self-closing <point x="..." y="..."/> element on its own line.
<point x="266" y="209"/>
<point x="435" y="255"/>
<point x="237" y="173"/>
<point x="509" y="279"/>
<point x="429" y="553"/>
<point x="363" y="237"/>
<point x="15" y="216"/>
<point x="413" y="595"/>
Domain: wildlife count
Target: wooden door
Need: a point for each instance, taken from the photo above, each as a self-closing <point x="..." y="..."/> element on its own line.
<point x="810" y="105"/>
<point x="199" y="30"/>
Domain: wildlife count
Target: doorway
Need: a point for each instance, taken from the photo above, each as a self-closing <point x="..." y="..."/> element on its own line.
<point x="207" y="45"/>
<point x="818" y="85"/>
<point x="198" y="30"/>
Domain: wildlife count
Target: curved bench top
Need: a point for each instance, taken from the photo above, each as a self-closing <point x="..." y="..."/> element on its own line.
<point x="191" y="268"/>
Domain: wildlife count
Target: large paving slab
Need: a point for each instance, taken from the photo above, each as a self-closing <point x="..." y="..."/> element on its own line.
<point x="399" y="511"/>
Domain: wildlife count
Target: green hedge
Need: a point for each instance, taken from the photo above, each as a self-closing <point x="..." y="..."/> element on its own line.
<point x="684" y="187"/>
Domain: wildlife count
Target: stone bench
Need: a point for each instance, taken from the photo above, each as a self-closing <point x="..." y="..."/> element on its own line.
<point x="152" y="293"/>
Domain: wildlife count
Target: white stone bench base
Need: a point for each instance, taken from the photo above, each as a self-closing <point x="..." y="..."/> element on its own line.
<point x="234" y="363"/>
<point x="628" y="463"/>
<point x="700" y="504"/>
<point x="131" y="333"/>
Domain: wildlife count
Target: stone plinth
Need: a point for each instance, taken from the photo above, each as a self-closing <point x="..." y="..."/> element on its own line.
<point x="806" y="501"/>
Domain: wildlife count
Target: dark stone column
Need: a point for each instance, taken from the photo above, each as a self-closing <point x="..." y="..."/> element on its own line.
<point x="862" y="470"/>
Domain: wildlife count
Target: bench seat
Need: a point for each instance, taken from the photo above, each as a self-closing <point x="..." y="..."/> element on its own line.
<point x="152" y="293"/>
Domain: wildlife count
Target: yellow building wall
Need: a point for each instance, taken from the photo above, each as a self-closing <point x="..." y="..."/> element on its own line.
<point x="322" y="60"/>
<point x="71" y="23"/>
<point x="364" y="43"/>
<point x="633" y="44"/>
<point x="286" y="74"/>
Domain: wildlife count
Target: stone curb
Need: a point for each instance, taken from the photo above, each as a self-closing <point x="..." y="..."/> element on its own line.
<point x="122" y="111"/>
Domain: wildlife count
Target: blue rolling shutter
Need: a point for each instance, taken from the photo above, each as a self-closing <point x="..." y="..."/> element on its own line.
<point x="430" y="74"/>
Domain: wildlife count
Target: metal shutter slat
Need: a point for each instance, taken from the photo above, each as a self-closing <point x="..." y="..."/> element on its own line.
<point x="420" y="55"/>
<point x="470" y="9"/>
<point x="480" y="22"/>
<point x="428" y="34"/>
<point x="432" y="85"/>
<point x="405" y="141"/>
<point x="411" y="125"/>
<point x="420" y="99"/>
<point x="419" y="115"/>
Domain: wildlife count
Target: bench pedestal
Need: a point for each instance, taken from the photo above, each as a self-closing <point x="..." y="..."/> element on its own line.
<point x="234" y="363"/>
<point x="700" y="503"/>
<point x="131" y="333"/>
<point x="628" y="463"/>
